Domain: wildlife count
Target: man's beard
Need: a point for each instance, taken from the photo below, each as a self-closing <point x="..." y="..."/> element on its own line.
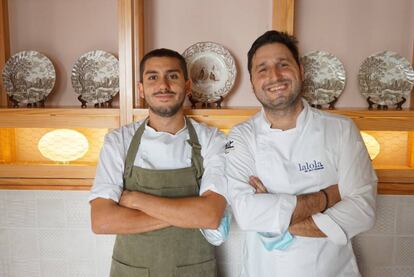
<point x="167" y="111"/>
<point x="288" y="102"/>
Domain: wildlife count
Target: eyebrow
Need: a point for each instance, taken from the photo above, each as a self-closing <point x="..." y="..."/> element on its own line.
<point x="156" y="72"/>
<point x="264" y="62"/>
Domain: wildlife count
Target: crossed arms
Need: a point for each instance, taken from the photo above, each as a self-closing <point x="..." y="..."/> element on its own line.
<point x="139" y="212"/>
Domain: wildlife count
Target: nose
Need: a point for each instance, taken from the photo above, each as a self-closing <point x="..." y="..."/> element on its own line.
<point x="275" y="73"/>
<point x="164" y="84"/>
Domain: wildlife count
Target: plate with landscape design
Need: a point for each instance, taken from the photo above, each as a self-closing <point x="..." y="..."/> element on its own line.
<point x="28" y="77"/>
<point x="324" y="78"/>
<point x="386" y="79"/>
<point x="95" y="77"/>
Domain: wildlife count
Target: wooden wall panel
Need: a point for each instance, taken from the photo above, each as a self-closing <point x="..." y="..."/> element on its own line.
<point x="283" y="15"/>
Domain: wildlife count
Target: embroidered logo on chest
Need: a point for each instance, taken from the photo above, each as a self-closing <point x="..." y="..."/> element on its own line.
<point x="310" y="166"/>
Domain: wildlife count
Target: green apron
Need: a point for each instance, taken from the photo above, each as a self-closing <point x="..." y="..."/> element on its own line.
<point x="172" y="251"/>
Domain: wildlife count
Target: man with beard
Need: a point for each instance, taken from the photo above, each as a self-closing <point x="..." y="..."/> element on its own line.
<point x="300" y="180"/>
<point x="160" y="179"/>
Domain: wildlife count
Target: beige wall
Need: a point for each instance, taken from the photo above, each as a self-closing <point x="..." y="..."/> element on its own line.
<point x="351" y="30"/>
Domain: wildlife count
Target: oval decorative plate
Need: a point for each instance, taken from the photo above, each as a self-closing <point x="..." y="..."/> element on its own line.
<point x="324" y="78"/>
<point x="212" y="70"/>
<point x="95" y="76"/>
<point x="28" y="77"/>
<point x="385" y="78"/>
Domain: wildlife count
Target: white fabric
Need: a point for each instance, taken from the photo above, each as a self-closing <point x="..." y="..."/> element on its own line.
<point x="159" y="150"/>
<point x="323" y="149"/>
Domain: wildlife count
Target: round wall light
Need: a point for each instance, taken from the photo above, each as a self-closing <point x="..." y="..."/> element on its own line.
<point x="372" y="145"/>
<point x="63" y="145"/>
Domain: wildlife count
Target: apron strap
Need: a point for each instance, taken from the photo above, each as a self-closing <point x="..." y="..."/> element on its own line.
<point x="133" y="150"/>
<point x="196" y="158"/>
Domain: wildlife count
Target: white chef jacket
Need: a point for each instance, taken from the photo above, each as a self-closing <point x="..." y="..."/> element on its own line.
<point x="160" y="150"/>
<point x="323" y="149"/>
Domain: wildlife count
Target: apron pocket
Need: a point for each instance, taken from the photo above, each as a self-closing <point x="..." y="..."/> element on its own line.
<point x="119" y="269"/>
<point x="205" y="269"/>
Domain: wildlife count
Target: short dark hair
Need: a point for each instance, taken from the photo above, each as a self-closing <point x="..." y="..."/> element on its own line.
<point x="273" y="37"/>
<point x="163" y="52"/>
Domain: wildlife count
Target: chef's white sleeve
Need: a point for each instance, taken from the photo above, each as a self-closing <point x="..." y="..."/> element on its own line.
<point x="357" y="181"/>
<point x="262" y="212"/>
<point x="108" y="181"/>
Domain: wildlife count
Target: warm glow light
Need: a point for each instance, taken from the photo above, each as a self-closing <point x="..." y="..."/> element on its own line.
<point x="372" y="145"/>
<point x="63" y="145"/>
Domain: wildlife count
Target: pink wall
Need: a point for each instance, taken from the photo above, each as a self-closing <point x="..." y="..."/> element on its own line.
<point x="63" y="30"/>
<point x="351" y="30"/>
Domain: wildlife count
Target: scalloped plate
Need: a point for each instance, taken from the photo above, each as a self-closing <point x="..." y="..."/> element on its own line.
<point x="385" y="78"/>
<point x="324" y="77"/>
<point x="212" y="70"/>
<point x="95" y="76"/>
<point x="28" y="77"/>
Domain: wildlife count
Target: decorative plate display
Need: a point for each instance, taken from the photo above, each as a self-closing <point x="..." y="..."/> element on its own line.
<point x="95" y="77"/>
<point x="212" y="70"/>
<point x="324" y="78"/>
<point x="28" y="77"/>
<point x="385" y="79"/>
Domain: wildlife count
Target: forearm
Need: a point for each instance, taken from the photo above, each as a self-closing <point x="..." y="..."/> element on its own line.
<point x="306" y="228"/>
<point x="308" y="205"/>
<point x="108" y="217"/>
<point x="190" y="212"/>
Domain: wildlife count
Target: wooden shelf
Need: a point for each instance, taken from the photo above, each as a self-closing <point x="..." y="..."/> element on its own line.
<point x="59" y="118"/>
<point x="393" y="180"/>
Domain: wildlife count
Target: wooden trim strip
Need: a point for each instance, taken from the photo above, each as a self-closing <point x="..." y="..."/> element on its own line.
<point x="4" y="47"/>
<point x="283" y="16"/>
<point x="396" y="188"/>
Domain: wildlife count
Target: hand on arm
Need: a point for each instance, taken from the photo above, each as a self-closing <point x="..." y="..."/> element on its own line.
<point x="203" y="211"/>
<point x="108" y="217"/>
<point x="307" y="205"/>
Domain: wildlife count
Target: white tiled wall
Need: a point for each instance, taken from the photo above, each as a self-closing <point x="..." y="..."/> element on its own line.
<point x="47" y="234"/>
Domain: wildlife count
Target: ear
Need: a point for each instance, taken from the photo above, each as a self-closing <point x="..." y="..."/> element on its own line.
<point x="141" y="90"/>
<point x="188" y="86"/>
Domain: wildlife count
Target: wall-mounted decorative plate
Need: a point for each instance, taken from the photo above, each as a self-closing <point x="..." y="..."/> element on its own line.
<point x="212" y="70"/>
<point x="95" y="77"/>
<point x="28" y="77"/>
<point x="324" y="78"/>
<point x="385" y="79"/>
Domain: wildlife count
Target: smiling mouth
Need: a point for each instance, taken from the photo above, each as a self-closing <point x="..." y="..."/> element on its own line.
<point x="277" y="87"/>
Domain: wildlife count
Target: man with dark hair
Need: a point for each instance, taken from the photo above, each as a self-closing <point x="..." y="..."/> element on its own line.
<point x="159" y="179"/>
<point x="300" y="180"/>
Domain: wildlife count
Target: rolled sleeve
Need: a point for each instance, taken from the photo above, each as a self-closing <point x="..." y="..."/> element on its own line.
<point x="108" y="182"/>
<point x="330" y="228"/>
<point x="214" y="179"/>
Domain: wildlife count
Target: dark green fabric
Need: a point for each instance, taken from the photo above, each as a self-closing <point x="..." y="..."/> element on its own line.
<point x="171" y="251"/>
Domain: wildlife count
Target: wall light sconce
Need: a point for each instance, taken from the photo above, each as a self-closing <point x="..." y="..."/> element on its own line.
<point x="63" y="145"/>
<point x="372" y="145"/>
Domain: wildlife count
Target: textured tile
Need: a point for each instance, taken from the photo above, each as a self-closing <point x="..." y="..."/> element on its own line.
<point x="385" y="216"/>
<point x="4" y="245"/>
<point x="20" y="212"/>
<point x="3" y="210"/>
<point x="405" y="251"/>
<point x="58" y="268"/>
<point x="400" y="271"/>
<point x="77" y="213"/>
<point x="82" y="269"/>
<point x="4" y="267"/>
<point x="80" y="245"/>
<point x="52" y="244"/>
<point x="24" y="269"/>
<point x="373" y="250"/>
<point x="50" y="213"/>
<point x="377" y="271"/>
<point x="405" y="216"/>
<point x="104" y="246"/>
<point x="23" y="244"/>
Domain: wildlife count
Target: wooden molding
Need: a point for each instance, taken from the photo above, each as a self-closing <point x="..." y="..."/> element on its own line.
<point x="126" y="59"/>
<point x="283" y="16"/>
<point x="139" y="46"/>
<point x="4" y="47"/>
